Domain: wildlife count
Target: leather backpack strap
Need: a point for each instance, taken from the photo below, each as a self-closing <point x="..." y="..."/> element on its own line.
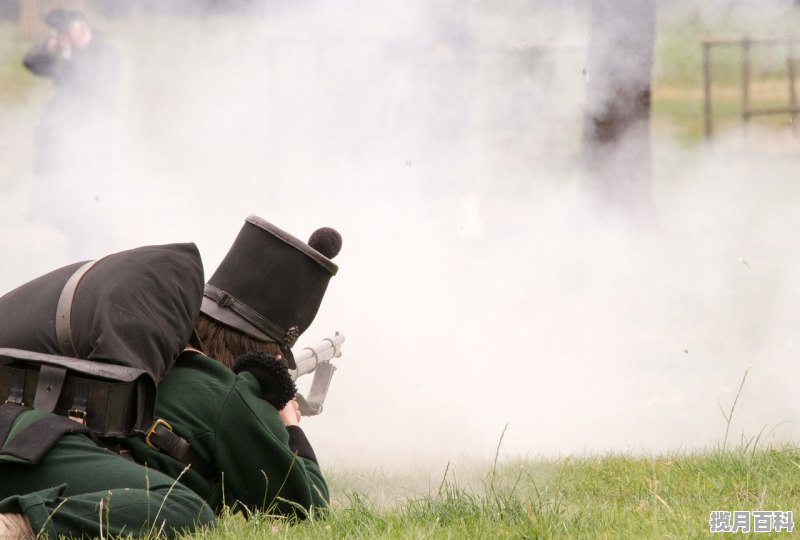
<point x="64" y="310"/>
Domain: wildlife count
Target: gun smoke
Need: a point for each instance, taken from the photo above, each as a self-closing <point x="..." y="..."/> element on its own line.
<point x="475" y="289"/>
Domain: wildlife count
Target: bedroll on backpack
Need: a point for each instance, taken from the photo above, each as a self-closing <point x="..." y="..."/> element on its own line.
<point x="90" y="341"/>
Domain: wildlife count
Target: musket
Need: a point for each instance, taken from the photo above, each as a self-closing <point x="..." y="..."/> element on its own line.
<point x="317" y="360"/>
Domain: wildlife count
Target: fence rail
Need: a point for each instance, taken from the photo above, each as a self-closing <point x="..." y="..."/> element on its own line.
<point x="748" y="111"/>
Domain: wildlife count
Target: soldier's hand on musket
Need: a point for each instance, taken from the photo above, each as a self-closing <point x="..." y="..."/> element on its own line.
<point x="51" y="44"/>
<point x="290" y="414"/>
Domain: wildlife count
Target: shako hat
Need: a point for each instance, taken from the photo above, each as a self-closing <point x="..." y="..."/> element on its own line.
<point x="270" y="284"/>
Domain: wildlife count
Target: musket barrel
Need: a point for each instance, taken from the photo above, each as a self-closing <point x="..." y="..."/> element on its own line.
<point x="309" y="358"/>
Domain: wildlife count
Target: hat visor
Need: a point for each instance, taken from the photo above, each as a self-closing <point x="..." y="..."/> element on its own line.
<point x="232" y="319"/>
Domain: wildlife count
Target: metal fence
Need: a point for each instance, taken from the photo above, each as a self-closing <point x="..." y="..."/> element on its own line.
<point x="748" y="111"/>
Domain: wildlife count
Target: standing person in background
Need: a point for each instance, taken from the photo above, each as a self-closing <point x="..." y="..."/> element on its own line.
<point x="234" y="404"/>
<point x="73" y="166"/>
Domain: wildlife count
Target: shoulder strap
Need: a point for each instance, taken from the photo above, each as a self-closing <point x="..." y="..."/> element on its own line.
<point x="64" y="310"/>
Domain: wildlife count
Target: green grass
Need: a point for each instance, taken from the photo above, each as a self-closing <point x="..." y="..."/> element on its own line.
<point x="592" y="496"/>
<point x="602" y="496"/>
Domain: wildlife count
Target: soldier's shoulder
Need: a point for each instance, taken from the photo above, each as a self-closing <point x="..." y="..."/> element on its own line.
<point x="196" y="365"/>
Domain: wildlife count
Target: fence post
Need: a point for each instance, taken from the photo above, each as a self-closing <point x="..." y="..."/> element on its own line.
<point x="745" y="61"/>
<point x="708" y="126"/>
<point x="790" y="68"/>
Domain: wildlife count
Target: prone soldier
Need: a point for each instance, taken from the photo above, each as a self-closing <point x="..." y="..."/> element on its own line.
<point x="233" y="403"/>
<point x="226" y="431"/>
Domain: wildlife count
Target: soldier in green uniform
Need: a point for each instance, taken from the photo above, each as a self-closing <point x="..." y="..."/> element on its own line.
<point x="244" y="452"/>
<point x="236" y="430"/>
<point x="132" y="308"/>
<point x="247" y="450"/>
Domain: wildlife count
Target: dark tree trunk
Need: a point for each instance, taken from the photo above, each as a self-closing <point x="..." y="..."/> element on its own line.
<point x="616" y="134"/>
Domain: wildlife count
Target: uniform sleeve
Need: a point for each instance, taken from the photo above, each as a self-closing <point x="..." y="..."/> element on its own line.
<point x="265" y="466"/>
<point x="40" y="61"/>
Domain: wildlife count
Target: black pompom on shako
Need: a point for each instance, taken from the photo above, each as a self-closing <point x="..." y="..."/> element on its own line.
<point x="270" y="284"/>
<point x="327" y="241"/>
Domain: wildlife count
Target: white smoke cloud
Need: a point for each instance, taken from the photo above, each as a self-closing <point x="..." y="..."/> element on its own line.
<point x="474" y="291"/>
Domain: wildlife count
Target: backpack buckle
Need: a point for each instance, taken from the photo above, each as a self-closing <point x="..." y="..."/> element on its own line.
<point x="156" y="429"/>
<point x="77" y="415"/>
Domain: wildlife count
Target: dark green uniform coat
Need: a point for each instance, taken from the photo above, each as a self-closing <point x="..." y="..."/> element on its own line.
<point x="242" y="454"/>
<point x="82" y="490"/>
